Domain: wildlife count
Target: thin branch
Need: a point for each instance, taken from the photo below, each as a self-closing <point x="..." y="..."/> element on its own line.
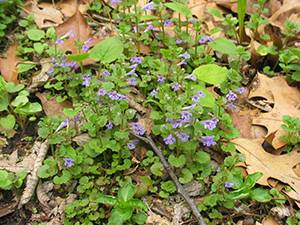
<point x="180" y="190"/>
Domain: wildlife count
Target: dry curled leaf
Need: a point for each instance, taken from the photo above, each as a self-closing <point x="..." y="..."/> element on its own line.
<point x="279" y="167"/>
<point x="32" y="178"/>
<point x="8" y="66"/>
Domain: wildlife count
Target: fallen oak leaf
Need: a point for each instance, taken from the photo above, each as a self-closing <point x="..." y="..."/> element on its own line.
<point x="279" y="167"/>
<point x="285" y="100"/>
<point x="8" y="66"/>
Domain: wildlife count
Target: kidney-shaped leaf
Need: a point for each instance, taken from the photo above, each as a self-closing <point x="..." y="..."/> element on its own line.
<point x="108" y="50"/>
<point x="211" y="73"/>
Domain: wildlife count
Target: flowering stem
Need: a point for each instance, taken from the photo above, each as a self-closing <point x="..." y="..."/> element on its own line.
<point x="177" y="148"/>
<point x="81" y="67"/>
<point x="137" y="30"/>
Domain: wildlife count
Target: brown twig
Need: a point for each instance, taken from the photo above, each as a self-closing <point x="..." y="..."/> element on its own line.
<point x="180" y="190"/>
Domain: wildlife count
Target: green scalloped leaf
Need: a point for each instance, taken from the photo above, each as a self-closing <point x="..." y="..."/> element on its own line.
<point x="177" y="162"/>
<point x="63" y="179"/>
<point x="187" y="176"/>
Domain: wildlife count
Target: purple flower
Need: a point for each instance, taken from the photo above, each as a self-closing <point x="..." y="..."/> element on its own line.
<point x="137" y="60"/>
<point x="230" y="106"/>
<point x="231" y="96"/>
<point x="101" y="92"/>
<point x="130" y="145"/>
<point x="153" y="92"/>
<point x="202" y="40"/>
<point x="201" y="94"/>
<point x="122" y="97"/>
<point x="210" y="38"/>
<point x="85" y="48"/>
<point x="150" y="27"/>
<point x="176" y="123"/>
<point x="109" y="126"/>
<point x="51" y="70"/>
<point x="186" y="55"/>
<point x="77" y="118"/>
<point x="59" y="42"/>
<point x="69" y="162"/>
<point x="86" y="78"/>
<point x="134" y="66"/>
<point x="138" y="128"/>
<point x="132" y="81"/>
<point x="132" y="72"/>
<point x="178" y="41"/>
<point x="196" y="98"/>
<point x="114" y="2"/>
<point x="191" y="76"/>
<point x="106" y="73"/>
<point x="183" y="137"/>
<point x="169" y="140"/>
<point x="64" y="64"/>
<point x="210" y="124"/>
<point x="176" y="86"/>
<point x="190" y="107"/>
<point x="149" y="6"/>
<point x="73" y="65"/>
<point x="208" y="140"/>
<point x="113" y="95"/>
<point x="134" y="29"/>
<point x="241" y="90"/>
<point x="182" y="62"/>
<point x="169" y="119"/>
<point x="161" y="79"/>
<point x="69" y="34"/>
<point x="55" y="64"/>
<point x="185" y="115"/>
<point x="192" y="21"/>
<point x="89" y="41"/>
<point x="63" y="124"/>
<point x="167" y="23"/>
<point x="229" y="185"/>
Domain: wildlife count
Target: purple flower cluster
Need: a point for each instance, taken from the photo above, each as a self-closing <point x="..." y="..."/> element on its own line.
<point x="106" y="73"/>
<point x="182" y="62"/>
<point x="241" y="90"/>
<point x="116" y="96"/>
<point x="178" y="41"/>
<point x="101" y="92"/>
<point x="186" y="55"/>
<point x="229" y="185"/>
<point x="131" y="145"/>
<point x="210" y="124"/>
<point x="161" y="79"/>
<point x="153" y="92"/>
<point x="132" y="81"/>
<point x="138" y="128"/>
<point x="69" y="162"/>
<point x="208" y="140"/>
<point x="137" y="60"/>
<point x="150" y="27"/>
<point x="205" y="39"/>
<point x="132" y="72"/>
<point x="176" y="87"/>
<point x="197" y="97"/>
<point x="109" y="125"/>
<point x="114" y="2"/>
<point x="59" y="41"/>
<point x="169" y="140"/>
<point x="86" y="77"/>
<point x="231" y="96"/>
<point x="65" y="123"/>
<point x="183" y="137"/>
<point x="167" y="23"/>
<point x="191" y="76"/>
<point x="176" y="123"/>
<point x="185" y="115"/>
<point x="149" y="6"/>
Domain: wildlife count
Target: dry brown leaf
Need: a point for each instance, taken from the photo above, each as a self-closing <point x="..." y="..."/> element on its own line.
<point x="52" y="107"/>
<point x="242" y="123"/>
<point x="79" y="26"/>
<point x="157" y="220"/>
<point x="8" y="66"/>
<point x="42" y="15"/>
<point x="285" y="100"/>
<point x="279" y="167"/>
<point x="270" y="220"/>
<point x="32" y="179"/>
